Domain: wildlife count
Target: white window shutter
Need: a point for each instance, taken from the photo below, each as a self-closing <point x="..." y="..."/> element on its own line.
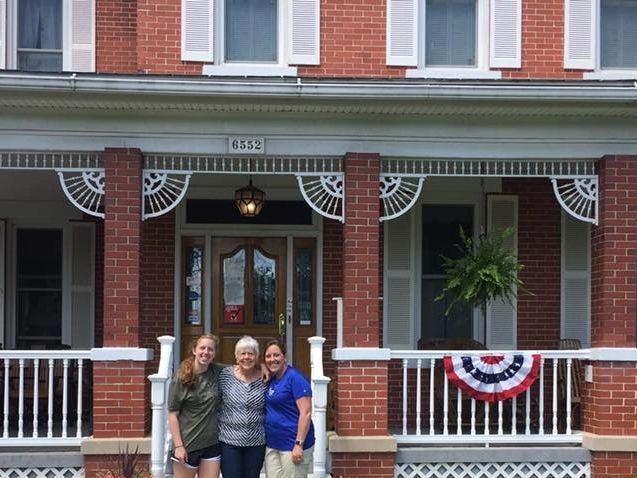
<point x="399" y="287"/>
<point x="506" y="34"/>
<point x="79" y="35"/>
<point x="3" y="34"/>
<point x="580" y="27"/>
<point x="197" y="30"/>
<point x="402" y="32"/>
<point x="502" y="314"/>
<point x="576" y="280"/>
<point x="82" y="285"/>
<point x="304" y="32"/>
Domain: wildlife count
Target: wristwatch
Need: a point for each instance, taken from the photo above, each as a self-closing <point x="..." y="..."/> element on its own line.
<point x="298" y="442"/>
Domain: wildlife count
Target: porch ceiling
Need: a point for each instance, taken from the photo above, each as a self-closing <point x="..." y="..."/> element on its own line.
<point x="301" y="95"/>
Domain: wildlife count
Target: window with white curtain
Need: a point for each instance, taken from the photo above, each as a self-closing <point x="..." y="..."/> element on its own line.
<point x="47" y="35"/>
<point x="450" y="32"/>
<point x="618" y="34"/>
<point x="251" y="30"/>
<point x="40" y="35"/>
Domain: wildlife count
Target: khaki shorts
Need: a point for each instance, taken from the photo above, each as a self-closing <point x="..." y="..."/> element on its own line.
<point x="278" y="464"/>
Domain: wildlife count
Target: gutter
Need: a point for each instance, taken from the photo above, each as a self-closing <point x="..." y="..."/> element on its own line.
<point x="314" y="89"/>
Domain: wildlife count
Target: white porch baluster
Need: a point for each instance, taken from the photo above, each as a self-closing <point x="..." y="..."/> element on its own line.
<point x="65" y="398"/>
<point x="80" y="364"/>
<point x="486" y="418"/>
<point x="459" y="414"/>
<point x="514" y="414"/>
<point x="445" y="413"/>
<point x="500" y="427"/>
<point x="21" y="398"/>
<point x="49" y="404"/>
<point x="432" y="363"/>
<point x="405" y="388"/>
<point x="555" y="396"/>
<point x="569" y="367"/>
<point x="527" y="430"/>
<point x="541" y="412"/>
<point x="473" y="416"/>
<point x="418" y="395"/>
<point x="36" y="386"/>
<point x="5" y="407"/>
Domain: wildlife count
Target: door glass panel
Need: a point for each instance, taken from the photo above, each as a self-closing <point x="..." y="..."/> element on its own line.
<point x="264" y="288"/>
<point x="39" y="288"/>
<point x="233" y="287"/>
<point x="194" y="256"/>
<point x="441" y="226"/>
<point x="304" y="286"/>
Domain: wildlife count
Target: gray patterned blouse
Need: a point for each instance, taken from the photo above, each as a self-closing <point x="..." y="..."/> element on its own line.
<point x="241" y="419"/>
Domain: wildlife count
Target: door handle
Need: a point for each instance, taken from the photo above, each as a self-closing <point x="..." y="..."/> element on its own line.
<point x="281" y="323"/>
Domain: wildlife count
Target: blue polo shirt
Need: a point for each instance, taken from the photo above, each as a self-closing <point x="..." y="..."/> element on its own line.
<point x="281" y="412"/>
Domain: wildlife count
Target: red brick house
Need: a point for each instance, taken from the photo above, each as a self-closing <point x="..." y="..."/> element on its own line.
<point x="375" y="129"/>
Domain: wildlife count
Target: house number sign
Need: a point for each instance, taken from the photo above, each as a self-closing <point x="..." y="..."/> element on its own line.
<point x="246" y="145"/>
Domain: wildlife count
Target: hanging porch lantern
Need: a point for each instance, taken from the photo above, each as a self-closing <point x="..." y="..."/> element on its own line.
<point x="249" y="200"/>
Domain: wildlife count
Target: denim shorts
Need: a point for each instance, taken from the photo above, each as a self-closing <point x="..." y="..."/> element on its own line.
<point x="211" y="453"/>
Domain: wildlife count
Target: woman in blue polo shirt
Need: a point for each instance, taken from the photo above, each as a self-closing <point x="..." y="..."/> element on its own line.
<point x="289" y="434"/>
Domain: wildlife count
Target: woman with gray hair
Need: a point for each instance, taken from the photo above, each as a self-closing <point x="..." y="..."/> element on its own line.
<point x="241" y="419"/>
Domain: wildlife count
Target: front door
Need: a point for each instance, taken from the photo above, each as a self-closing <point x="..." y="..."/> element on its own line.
<point x="249" y="291"/>
<point x="263" y="287"/>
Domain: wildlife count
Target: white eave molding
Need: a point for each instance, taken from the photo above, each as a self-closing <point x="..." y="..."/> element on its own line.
<point x="301" y="95"/>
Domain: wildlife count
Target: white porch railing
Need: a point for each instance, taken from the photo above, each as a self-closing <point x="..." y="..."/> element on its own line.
<point x="435" y="412"/>
<point x="43" y="395"/>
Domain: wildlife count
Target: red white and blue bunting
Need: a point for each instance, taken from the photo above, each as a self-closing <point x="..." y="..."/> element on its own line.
<point x="492" y="377"/>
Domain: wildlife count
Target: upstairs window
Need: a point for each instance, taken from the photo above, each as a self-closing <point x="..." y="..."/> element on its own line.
<point x="601" y="36"/>
<point x="454" y="38"/>
<point x="47" y="35"/>
<point x="450" y="33"/>
<point x="40" y="35"/>
<point x="250" y="37"/>
<point x="618" y="34"/>
<point x="251" y="31"/>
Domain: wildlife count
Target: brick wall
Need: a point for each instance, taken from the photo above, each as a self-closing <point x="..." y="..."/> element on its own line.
<point x="121" y="247"/>
<point x="539" y="250"/>
<point x="614" y="300"/>
<point x="542" y="42"/>
<point x="99" y="283"/>
<point x="353" y="40"/>
<point x="116" y="36"/>
<point x="362" y="465"/>
<point x="332" y="287"/>
<point x="145" y="36"/>
<point x="159" y="38"/>
<point x="121" y="394"/>
<point x="157" y="281"/>
<point x="608" y="402"/>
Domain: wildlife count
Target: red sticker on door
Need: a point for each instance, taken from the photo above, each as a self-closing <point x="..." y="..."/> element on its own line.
<point x="233" y="314"/>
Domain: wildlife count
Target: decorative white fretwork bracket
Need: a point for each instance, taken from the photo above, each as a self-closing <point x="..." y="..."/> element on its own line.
<point x="324" y="194"/>
<point x="163" y="191"/>
<point x="84" y="188"/>
<point x="578" y="197"/>
<point x="398" y="194"/>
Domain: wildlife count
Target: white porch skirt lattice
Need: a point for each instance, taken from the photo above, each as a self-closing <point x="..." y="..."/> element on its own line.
<point x="492" y="470"/>
<point x="42" y="472"/>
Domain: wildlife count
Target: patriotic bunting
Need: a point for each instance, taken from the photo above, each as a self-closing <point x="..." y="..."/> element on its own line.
<point x="492" y="377"/>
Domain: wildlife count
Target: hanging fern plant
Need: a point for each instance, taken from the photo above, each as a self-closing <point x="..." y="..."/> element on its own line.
<point x="485" y="269"/>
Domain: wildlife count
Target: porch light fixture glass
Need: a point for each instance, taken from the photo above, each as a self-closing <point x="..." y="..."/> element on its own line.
<point x="249" y="200"/>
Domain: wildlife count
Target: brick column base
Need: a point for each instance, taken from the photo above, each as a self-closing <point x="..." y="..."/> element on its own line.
<point x="614" y="464"/>
<point x="363" y="465"/>
<point x="121" y="399"/>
